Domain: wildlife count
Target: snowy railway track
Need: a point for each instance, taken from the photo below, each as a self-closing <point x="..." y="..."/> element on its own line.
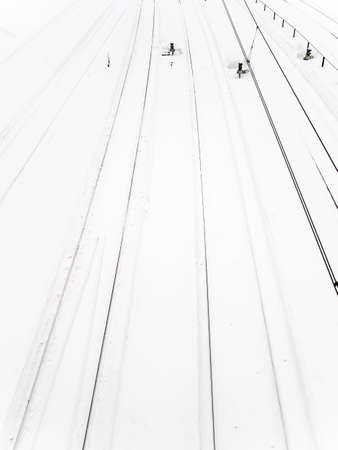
<point x="39" y="359"/>
<point x="204" y="227"/>
<point x="321" y="16"/>
<point x="300" y="195"/>
<point x="16" y="124"/>
<point x="249" y="233"/>
<point x="278" y="380"/>
<point x="319" y="11"/>
<point x="57" y="114"/>
<point x="305" y="38"/>
<point x="326" y="184"/>
<point x="122" y="238"/>
<point x="207" y="420"/>
<point x="268" y="319"/>
<point x="300" y="103"/>
<point x="36" y="34"/>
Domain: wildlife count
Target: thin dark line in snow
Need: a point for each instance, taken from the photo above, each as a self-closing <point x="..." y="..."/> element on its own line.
<point x="318" y="11"/>
<point x="284" y="21"/>
<point x="292" y="88"/>
<point x="7" y="33"/>
<point x="286" y="159"/>
<point x="29" y="107"/>
<point x="325" y="182"/>
<point x="79" y="302"/>
<point x="212" y="399"/>
<point x="55" y="117"/>
<point x="251" y="247"/>
<point x="116" y="271"/>
<point x="43" y="352"/>
<point x="37" y="33"/>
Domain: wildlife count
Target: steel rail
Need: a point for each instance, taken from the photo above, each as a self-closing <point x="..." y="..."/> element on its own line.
<point x="122" y="240"/>
<point x="292" y="88"/>
<point x="312" y="225"/>
<point x="46" y="342"/>
<point x="15" y="124"/>
<point x="297" y="31"/>
<point x="205" y="246"/>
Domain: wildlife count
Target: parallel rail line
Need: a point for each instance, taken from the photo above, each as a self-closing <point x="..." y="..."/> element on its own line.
<point x="266" y="6"/>
<point x="205" y="246"/>
<point x="300" y="195"/>
<point x="44" y="347"/>
<point x="310" y="121"/>
<point x="122" y="240"/>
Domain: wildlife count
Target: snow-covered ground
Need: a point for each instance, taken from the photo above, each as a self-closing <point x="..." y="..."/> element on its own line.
<point x="168" y="231"/>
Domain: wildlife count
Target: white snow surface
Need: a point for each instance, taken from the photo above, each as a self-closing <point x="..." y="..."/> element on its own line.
<point x="163" y="285"/>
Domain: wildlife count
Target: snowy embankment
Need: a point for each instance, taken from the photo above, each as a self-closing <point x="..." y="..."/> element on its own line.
<point x="164" y="287"/>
